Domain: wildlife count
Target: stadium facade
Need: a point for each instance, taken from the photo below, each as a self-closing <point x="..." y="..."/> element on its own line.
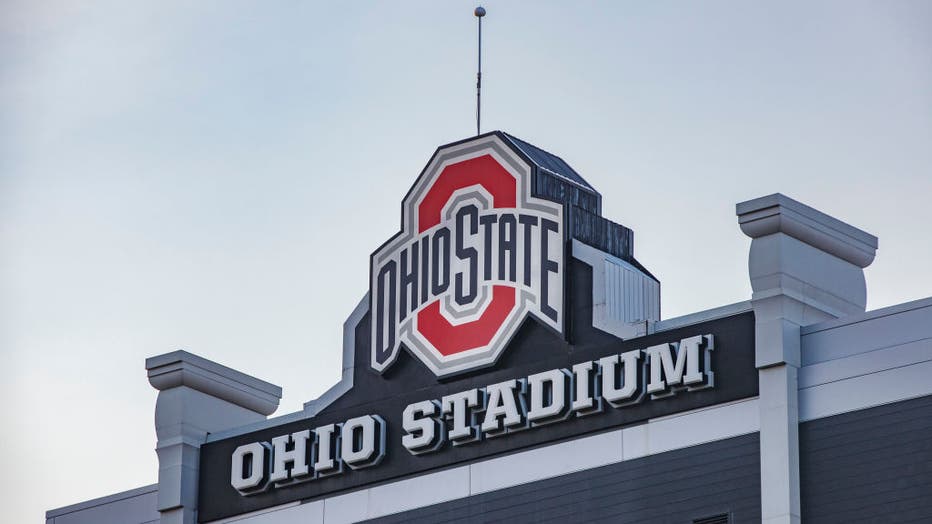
<point x="509" y="363"/>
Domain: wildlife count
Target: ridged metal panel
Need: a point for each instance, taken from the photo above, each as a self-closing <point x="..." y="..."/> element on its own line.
<point x="871" y="465"/>
<point x="550" y="187"/>
<point x="549" y="161"/>
<point x="601" y="233"/>
<point x="630" y="296"/>
<point x="672" y="487"/>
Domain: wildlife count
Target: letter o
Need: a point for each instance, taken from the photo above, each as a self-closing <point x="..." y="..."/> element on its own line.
<point x="247" y="471"/>
<point x="362" y="441"/>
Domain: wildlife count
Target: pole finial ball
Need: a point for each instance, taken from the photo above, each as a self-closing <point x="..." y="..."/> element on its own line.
<point x="480" y="11"/>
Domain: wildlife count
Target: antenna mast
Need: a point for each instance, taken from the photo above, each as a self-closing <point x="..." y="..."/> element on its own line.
<point x="479" y="12"/>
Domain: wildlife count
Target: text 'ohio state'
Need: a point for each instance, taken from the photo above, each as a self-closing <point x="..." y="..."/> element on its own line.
<point x="460" y="259"/>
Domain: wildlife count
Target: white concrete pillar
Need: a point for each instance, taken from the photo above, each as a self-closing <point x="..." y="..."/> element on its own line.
<point x="197" y="397"/>
<point x="805" y="267"/>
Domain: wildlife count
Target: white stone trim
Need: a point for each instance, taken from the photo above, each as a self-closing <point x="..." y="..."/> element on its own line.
<point x="778" y="213"/>
<point x="834" y="340"/>
<point x="278" y="515"/>
<point x="865" y="391"/>
<point x="866" y="360"/>
<point x="877" y="361"/>
<point x="867" y="316"/>
<point x="183" y="369"/>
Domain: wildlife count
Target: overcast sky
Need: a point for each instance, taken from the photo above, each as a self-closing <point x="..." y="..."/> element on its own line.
<point x="213" y="175"/>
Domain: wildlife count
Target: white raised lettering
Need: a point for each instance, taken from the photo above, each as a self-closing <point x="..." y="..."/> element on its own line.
<point x="326" y="461"/>
<point x="423" y="432"/>
<point x="620" y="394"/>
<point x="297" y="456"/>
<point x="458" y="407"/>
<point x="548" y="396"/>
<point x="363" y="441"/>
<point x="501" y="412"/>
<point x="248" y="471"/>
<point x="585" y="400"/>
<point x="685" y="371"/>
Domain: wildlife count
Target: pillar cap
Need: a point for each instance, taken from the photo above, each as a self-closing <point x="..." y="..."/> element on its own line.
<point x="180" y="368"/>
<point x="779" y="213"/>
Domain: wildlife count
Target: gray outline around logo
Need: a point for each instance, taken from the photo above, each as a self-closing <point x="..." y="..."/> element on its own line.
<point x="408" y="335"/>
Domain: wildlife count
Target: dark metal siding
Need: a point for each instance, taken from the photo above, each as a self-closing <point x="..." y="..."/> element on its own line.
<point x="873" y="465"/>
<point x="673" y="487"/>
<point x="549" y="161"/>
<point x="601" y="233"/>
<point x="550" y="187"/>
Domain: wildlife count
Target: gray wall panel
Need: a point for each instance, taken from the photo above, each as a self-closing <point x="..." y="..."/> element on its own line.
<point x="676" y="486"/>
<point x="138" y="506"/>
<point x="873" y="465"/>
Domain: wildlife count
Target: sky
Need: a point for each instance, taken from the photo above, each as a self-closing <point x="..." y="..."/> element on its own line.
<point x="212" y="176"/>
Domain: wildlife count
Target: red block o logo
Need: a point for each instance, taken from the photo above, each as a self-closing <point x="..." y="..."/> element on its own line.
<point x="476" y="255"/>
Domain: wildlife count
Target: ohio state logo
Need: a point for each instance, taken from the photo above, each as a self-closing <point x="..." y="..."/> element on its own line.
<point x="476" y="255"/>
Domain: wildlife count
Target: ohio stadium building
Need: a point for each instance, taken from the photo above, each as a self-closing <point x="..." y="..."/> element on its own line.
<point x="509" y="363"/>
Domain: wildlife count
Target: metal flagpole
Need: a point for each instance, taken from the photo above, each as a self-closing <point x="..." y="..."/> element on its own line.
<point x="479" y="12"/>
